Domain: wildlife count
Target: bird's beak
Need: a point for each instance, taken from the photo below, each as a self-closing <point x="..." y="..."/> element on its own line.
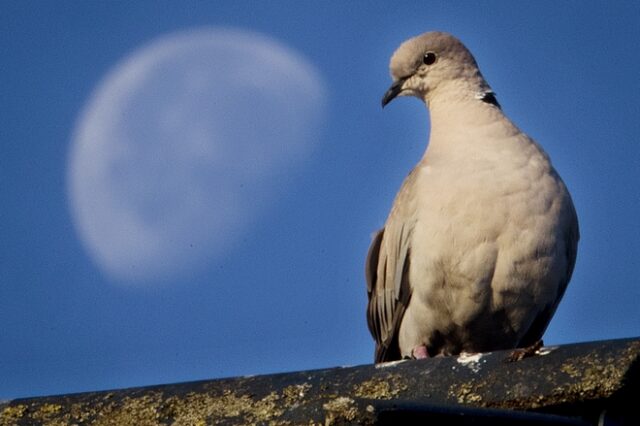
<point x="393" y="91"/>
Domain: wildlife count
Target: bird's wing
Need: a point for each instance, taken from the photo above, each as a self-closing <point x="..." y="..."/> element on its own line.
<point x="387" y="272"/>
<point x="539" y="325"/>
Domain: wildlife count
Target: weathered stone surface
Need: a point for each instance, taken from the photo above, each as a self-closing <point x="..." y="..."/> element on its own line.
<point x="579" y="380"/>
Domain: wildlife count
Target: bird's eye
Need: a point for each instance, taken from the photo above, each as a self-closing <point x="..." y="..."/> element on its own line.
<point x="429" y="58"/>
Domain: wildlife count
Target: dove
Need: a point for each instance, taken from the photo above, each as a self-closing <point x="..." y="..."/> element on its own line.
<point x="482" y="237"/>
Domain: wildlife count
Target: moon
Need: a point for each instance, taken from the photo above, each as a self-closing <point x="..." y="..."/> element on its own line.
<point x="183" y="145"/>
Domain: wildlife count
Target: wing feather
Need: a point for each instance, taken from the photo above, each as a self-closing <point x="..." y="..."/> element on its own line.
<point x="388" y="288"/>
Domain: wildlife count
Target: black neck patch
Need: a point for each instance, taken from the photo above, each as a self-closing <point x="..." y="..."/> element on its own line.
<point x="490" y="98"/>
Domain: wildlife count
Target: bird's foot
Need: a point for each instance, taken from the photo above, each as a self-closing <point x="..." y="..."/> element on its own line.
<point x="522" y="353"/>
<point x="419" y="352"/>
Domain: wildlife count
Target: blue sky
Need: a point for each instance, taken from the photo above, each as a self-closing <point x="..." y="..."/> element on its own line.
<point x="276" y="284"/>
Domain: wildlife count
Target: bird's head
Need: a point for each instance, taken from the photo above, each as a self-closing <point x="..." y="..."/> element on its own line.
<point x="434" y="64"/>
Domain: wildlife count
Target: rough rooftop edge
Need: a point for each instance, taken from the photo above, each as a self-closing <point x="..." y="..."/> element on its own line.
<point x="579" y="380"/>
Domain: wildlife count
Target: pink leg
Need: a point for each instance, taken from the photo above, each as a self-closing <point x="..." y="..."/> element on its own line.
<point x="419" y="352"/>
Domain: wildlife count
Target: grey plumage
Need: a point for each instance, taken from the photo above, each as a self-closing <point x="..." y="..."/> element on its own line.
<point x="481" y="240"/>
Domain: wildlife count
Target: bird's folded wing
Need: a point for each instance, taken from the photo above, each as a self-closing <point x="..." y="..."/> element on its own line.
<point x="388" y="288"/>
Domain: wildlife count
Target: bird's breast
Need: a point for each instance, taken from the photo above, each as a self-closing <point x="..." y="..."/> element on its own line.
<point x="486" y="242"/>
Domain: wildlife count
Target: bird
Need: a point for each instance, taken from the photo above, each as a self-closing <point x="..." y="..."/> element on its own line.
<point x="481" y="240"/>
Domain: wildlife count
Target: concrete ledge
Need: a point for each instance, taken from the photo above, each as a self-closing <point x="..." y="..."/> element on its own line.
<point x="582" y="383"/>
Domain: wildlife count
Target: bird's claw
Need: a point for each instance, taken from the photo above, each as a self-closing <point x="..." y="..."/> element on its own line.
<point x="522" y="353"/>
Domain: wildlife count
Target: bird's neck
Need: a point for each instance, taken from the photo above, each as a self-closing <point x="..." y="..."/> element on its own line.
<point x="460" y="121"/>
<point x="462" y="110"/>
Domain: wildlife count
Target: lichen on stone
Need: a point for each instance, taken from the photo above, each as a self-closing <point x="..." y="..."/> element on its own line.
<point x="45" y="413"/>
<point x="196" y="408"/>
<point x="381" y="387"/>
<point x="141" y="411"/>
<point x="12" y="414"/>
<point x="465" y="394"/>
<point x="339" y="410"/>
<point x="295" y="393"/>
